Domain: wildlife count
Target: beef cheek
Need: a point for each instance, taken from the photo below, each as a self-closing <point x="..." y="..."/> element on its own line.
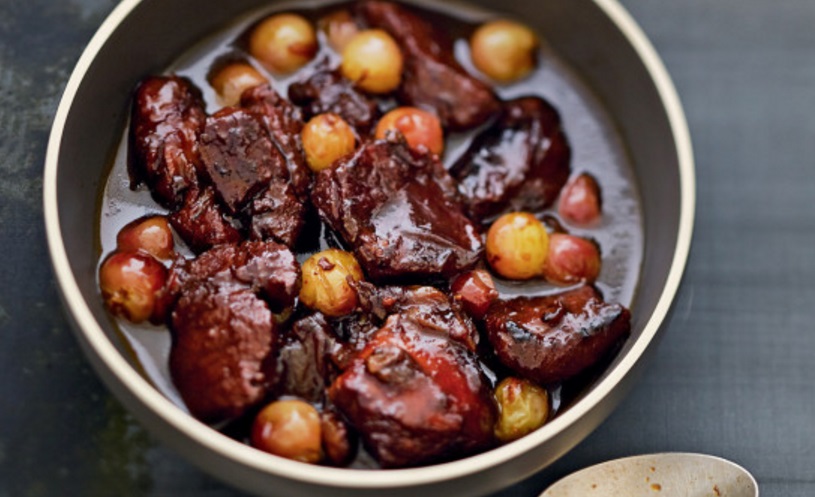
<point x="432" y="77"/>
<point x="220" y="340"/>
<point x="326" y="90"/>
<point x="238" y="156"/>
<point x="222" y="327"/>
<point x="167" y="118"/>
<point x="251" y="175"/>
<point x="553" y="338"/>
<point x="307" y="359"/>
<point x="397" y="209"/>
<point x="202" y="223"/>
<point x="416" y="396"/>
<point x="284" y="122"/>
<point x="277" y="212"/>
<point x="423" y="304"/>
<point x="520" y="162"/>
<point x="267" y="269"/>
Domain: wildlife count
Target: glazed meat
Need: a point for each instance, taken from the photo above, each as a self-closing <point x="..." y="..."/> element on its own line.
<point x="432" y="77"/>
<point x="355" y="330"/>
<point x="520" y="162"/>
<point x="278" y="213"/>
<point x="266" y="268"/>
<point x="201" y="222"/>
<point x="326" y="90"/>
<point x="308" y="358"/>
<point x="238" y="156"/>
<point x="425" y="304"/>
<point x="250" y="174"/>
<point x="284" y="123"/>
<point x="166" y="119"/>
<point x="221" y="337"/>
<point x="550" y="339"/>
<point x="397" y="209"/>
<point x="222" y="325"/>
<point x="415" y="395"/>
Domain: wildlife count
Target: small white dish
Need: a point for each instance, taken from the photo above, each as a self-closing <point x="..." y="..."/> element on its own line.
<point x="659" y="475"/>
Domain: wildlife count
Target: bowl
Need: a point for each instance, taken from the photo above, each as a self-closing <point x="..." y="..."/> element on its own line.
<point x="596" y="38"/>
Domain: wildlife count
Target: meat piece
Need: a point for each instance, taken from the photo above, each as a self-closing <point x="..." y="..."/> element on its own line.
<point x="306" y="363"/>
<point x="284" y="123"/>
<point x="238" y="156"/>
<point x="222" y="327"/>
<point x="277" y="213"/>
<point x="550" y="339"/>
<point x="432" y="77"/>
<point x="398" y="210"/>
<point x="201" y="222"/>
<point x="168" y="295"/>
<point x="166" y="119"/>
<point x="520" y="162"/>
<point x="249" y="171"/>
<point x="415" y="396"/>
<point x="315" y="350"/>
<point x="475" y="291"/>
<point x="424" y="304"/>
<point x="220" y="341"/>
<point x="326" y="90"/>
<point x="355" y="330"/>
<point x="265" y="268"/>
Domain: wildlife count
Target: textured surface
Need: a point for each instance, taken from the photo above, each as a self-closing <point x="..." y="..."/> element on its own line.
<point x="732" y="376"/>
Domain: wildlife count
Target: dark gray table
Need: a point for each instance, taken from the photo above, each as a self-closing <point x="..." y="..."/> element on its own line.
<point x="733" y="376"/>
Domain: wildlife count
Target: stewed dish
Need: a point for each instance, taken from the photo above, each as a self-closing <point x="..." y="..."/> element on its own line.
<point x="360" y="235"/>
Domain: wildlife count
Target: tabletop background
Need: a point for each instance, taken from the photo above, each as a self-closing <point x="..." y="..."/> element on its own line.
<point x="732" y="377"/>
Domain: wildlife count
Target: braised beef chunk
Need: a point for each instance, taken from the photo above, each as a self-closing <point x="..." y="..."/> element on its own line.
<point x="201" y="222"/>
<point x="354" y="330"/>
<point x="166" y="119"/>
<point x="284" y="123"/>
<point x="392" y="205"/>
<point x="415" y="396"/>
<point x="550" y="339"/>
<point x="326" y="90"/>
<point x="432" y="77"/>
<point x="169" y="293"/>
<point x="222" y="326"/>
<point x="520" y="162"/>
<point x="238" y="156"/>
<point x="277" y="213"/>
<point x="221" y="338"/>
<point x="266" y="268"/>
<point x="424" y="304"/>
<point x="306" y="363"/>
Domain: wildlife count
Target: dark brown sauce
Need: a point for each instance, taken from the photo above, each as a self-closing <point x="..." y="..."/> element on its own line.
<point x="596" y="147"/>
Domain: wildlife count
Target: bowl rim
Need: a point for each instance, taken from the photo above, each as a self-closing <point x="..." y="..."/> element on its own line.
<point x="128" y="376"/>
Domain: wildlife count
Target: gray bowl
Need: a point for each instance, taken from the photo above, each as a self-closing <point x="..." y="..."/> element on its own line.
<point x="596" y="38"/>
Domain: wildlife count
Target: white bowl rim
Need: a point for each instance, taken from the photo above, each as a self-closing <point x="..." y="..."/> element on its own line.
<point x="228" y="448"/>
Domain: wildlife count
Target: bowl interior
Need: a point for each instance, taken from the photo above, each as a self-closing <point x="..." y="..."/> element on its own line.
<point x="596" y="38"/>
